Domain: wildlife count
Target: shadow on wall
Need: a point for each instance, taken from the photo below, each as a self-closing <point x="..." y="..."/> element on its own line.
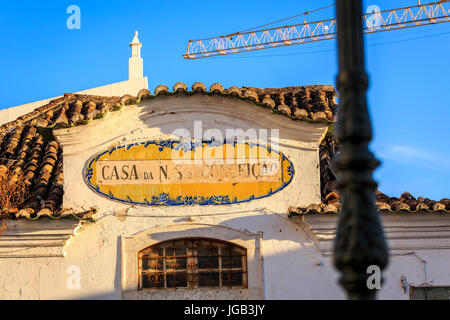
<point x="293" y="267"/>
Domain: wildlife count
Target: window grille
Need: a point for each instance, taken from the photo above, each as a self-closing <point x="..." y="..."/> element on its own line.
<point x="192" y="263"/>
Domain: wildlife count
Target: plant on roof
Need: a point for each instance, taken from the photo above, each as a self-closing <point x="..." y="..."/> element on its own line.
<point x="14" y="191"/>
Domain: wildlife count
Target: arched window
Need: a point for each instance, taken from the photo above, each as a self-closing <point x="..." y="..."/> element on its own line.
<point x="192" y="263"/>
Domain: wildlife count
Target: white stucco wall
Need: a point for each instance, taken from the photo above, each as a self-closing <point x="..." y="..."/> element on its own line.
<point x="293" y="265"/>
<point x="289" y="258"/>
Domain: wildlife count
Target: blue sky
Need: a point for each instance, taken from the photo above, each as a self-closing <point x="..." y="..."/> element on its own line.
<point x="409" y="69"/>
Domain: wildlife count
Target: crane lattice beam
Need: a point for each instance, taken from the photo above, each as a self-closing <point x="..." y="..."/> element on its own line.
<point x="387" y="20"/>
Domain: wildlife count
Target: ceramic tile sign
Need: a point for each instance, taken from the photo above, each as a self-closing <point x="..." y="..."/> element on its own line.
<point x="172" y="173"/>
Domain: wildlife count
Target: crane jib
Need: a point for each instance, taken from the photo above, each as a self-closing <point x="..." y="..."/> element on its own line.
<point x="374" y="21"/>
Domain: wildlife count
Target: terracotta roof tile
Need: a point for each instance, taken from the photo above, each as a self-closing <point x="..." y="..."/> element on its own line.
<point x="406" y="203"/>
<point x="25" y="153"/>
<point x="307" y="103"/>
<point x="330" y="198"/>
<point x="328" y="149"/>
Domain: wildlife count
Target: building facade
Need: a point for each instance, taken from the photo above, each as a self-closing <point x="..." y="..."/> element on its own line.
<point x="193" y="193"/>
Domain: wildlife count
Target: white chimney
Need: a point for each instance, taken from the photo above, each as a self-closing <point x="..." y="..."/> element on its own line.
<point x="136" y="64"/>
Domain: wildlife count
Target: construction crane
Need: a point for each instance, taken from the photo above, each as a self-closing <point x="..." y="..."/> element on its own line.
<point x="376" y="21"/>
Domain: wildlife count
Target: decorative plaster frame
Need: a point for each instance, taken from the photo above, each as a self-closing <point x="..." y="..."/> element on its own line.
<point x="404" y="231"/>
<point x="156" y="119"/>
<point x="43" y="238"/>
<point x="131" y="246"/>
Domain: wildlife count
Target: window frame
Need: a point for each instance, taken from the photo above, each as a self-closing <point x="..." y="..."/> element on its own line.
<point x="131" y="244"/>
<point x="192" y="256"/>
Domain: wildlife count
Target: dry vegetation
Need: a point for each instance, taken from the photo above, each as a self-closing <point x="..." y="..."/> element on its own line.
<point x="14" y="191"/>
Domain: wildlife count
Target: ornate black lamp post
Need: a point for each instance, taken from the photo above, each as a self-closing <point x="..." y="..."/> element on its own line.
<point x="360" y="240"/>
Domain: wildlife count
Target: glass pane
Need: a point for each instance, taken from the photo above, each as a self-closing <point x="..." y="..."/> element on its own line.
<point x="176" y="251"/>
<point x="153" y="264"/>
<point x="206" y="249"/>
<point x="153" y="280"/>
<point x="232" y="278"/>
<point x="176" y="280"/>
<point x="176" y="264"/>
<point x="230" y="251"/>
<point x="208" y="262"/>
<point x="153" y="252"/>
<point x="166" y="265"/>
<point x="208" y="279"/>
<point x="231" y="262"/>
